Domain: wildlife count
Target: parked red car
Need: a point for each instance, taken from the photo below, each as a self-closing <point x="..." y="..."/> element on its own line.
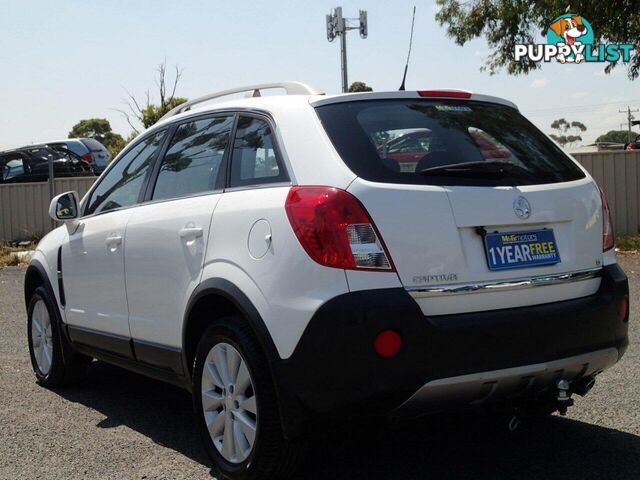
<point x="635" y="145"/>
<point x="409" y="148"/>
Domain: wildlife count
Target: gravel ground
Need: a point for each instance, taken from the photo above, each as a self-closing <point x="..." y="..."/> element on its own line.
<point x="121" y="425"/>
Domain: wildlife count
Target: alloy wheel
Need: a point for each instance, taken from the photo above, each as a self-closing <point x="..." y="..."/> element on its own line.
<point x="41" y="337"/>
<point x="229" y="403"/>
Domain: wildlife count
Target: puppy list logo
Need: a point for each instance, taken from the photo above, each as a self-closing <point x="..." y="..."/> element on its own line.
<point x="570" y="39"/>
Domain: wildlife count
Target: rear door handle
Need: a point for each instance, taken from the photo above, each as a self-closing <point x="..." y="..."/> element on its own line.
<point x="190" y="233"/>
<point x="113" y="240"/>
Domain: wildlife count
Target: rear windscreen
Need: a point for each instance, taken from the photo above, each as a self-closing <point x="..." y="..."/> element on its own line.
<point x="94" y="145"/>
<point x="443" y="143"/>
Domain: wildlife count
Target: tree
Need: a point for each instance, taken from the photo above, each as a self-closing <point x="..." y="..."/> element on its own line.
<point x="100" y="130"/>
<point x="565" y="128"/>
<point x="95" y="128"/>
<point x="505" y="23"/>
<point x="360" y="87"/>
<point x="616" y="136"/>
<point x="148" y="113"/>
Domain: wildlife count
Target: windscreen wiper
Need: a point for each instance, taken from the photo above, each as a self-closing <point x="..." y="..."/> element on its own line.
<point x="468" y="169"/>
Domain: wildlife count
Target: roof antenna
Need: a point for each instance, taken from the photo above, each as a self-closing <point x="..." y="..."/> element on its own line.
<point x="404" y="77"/>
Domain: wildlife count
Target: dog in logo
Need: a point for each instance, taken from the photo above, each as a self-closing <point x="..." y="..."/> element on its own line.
<point x="569" y="28"/>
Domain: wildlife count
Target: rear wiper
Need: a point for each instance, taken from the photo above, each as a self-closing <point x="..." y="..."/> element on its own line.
<point x="474" y="168"/>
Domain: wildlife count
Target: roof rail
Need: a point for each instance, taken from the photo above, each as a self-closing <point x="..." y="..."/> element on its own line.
<point x="292" y="88"/>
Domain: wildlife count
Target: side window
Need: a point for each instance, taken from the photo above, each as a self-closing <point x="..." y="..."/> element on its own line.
<point x="12" y="166"/>
<point x="193" y="159"/>
<point x="121" y="187"/>
<point x="255" y="160"/>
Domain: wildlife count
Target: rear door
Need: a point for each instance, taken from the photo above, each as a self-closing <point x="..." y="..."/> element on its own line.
<point x="166" y="237"/>
<point x="486" y="184"/>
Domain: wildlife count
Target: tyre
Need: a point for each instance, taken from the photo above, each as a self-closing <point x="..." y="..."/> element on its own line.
<point x="235" y="406"/>
<point x="51" y="366"/>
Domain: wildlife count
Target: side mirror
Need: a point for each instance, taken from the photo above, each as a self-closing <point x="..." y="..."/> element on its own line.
<point x="64" y="207"/>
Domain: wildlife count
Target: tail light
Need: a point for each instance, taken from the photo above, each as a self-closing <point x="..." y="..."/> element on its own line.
<point x="608" y="238"/>
<point x="88" y="157"/>
<point x="335" y="229"/>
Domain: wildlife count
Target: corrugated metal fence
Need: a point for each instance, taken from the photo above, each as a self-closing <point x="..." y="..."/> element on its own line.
<point x="618" y="174"/>
<point x="24" y="207"/>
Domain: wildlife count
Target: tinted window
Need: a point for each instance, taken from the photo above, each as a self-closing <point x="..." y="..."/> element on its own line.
<point x="93" y="145"/>
<point x="11" y="166"/>
<point x="42" y="153"/>
<point x="76" y="147"/>
<point x="255" y="160"/>
<point x="443" y="143"/>
<point x="121" y="186"/>
<point x="193" y="159"/>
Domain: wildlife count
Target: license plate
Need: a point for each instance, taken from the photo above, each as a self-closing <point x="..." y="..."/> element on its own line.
<point x="521" y="249"/>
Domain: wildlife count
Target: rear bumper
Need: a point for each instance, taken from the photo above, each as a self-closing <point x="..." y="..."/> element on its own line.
<point x="485" y="387"/>
<point x="335" y="366"/>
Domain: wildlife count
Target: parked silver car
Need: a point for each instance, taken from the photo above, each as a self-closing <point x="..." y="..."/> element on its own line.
<point x="88" y="149"/>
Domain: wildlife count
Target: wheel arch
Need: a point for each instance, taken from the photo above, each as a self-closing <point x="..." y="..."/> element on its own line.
<point x="232" y="300"/>
<point x="35" y="276"/>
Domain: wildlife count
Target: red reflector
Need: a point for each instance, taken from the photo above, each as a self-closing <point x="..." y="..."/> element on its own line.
<point x="623" y="309"/>
<point x="444" y="93"/>
<point x="388" y="343"/>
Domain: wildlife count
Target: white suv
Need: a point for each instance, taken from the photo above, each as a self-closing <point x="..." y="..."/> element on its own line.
<point x="289" y="256"/>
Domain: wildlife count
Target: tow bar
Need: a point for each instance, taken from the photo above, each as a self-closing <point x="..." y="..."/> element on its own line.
<point x="564" y="396"/>
<point x="561" y="400"/>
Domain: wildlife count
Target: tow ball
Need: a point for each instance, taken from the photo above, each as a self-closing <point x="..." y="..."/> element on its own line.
<point x="564" y="396"/>
<point x="562" y="401"/>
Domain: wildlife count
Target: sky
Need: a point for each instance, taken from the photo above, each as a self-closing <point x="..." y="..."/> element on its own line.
<point x="65" y="60"/>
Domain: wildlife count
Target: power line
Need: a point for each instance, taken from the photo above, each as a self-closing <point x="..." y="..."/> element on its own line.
<point x="582" y="106"/>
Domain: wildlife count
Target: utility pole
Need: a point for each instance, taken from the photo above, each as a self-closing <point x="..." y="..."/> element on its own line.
<point x="338" y="26"/>
<point x="630" y="121"/>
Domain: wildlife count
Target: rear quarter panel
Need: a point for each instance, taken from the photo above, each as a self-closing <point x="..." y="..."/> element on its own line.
<point x="284" y="284"/>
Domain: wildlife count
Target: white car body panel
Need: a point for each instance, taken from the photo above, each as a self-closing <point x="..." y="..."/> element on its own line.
<point x="284" y="285"/>
<point x="436" y="237"/>
<point x="164" y="266"/>
<point x="94" y="280"/>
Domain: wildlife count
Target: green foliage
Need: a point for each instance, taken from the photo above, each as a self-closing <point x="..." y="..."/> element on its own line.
<point x="505" y="23"/>
<point x="360" y="87"/>
<point x="564" y="137"/>
<point x="114" y="143"/>
<point x="100" y="130"/>
<point x="150" y="114"/>
<point x="560" y="124"/>
<point x="91" y="128"/>
<point x="579" y="126"/>
<point x="630" y="242"/>
<point x="616" y="136"/>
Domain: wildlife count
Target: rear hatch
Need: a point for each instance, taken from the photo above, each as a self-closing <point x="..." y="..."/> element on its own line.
<point x="471" y="200"/>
